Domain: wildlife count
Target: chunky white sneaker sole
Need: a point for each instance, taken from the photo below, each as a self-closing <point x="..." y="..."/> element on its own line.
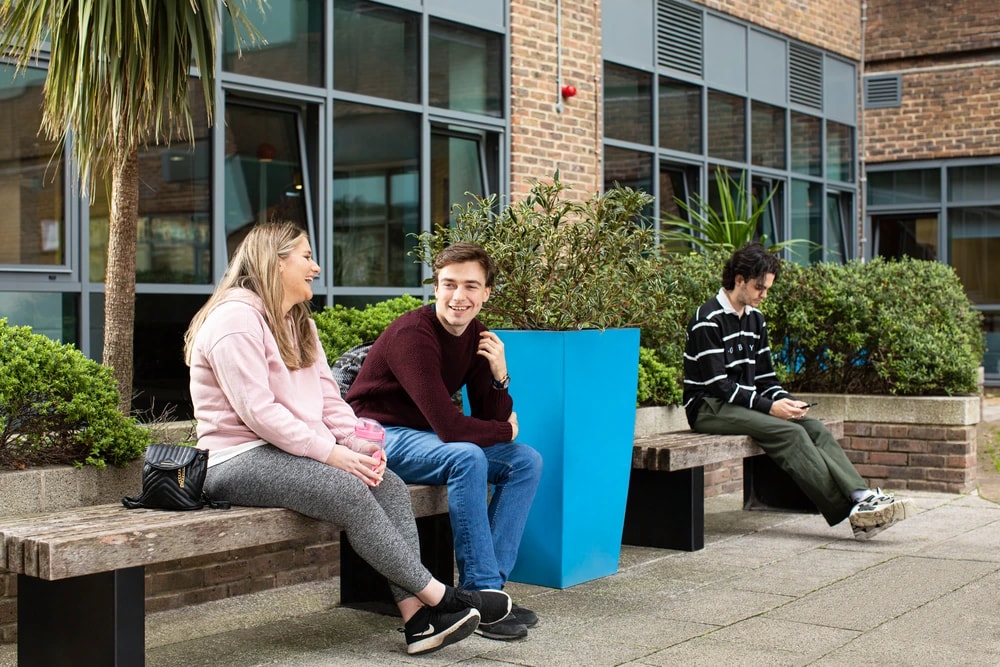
<point x="870" y="520"/>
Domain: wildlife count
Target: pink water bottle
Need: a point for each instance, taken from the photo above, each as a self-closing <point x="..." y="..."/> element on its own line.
<point x="371" y="431"/>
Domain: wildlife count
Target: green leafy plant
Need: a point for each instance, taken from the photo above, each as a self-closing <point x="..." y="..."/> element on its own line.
<point x="58" y="406"/>
<point x="731" y="225"/>
<point x="340" y="328"/>
<point x="563" y="264"/>
<point x="883" y="327"/>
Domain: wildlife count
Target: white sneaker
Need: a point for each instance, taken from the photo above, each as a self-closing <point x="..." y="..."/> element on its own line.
<point x="877" y="512"/>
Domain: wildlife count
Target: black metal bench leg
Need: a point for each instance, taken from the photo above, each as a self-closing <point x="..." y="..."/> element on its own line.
<point x="767" y="487"/>
<point x="361" y="587"/>
<point x="98" y="619"/>
<point x="666" y="509"/>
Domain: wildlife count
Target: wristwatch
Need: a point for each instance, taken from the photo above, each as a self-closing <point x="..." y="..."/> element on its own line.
<point x="502" y="383"/>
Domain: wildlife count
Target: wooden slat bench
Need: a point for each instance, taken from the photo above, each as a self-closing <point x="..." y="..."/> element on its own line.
<point x="80" y="584"/>
<point x="666" y="497"/>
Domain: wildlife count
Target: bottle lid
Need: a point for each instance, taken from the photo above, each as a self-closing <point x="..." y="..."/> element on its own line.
<point x="369" y="429"/>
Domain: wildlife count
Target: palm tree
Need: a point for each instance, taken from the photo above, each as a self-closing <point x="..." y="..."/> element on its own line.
<point x="117" y="80"/>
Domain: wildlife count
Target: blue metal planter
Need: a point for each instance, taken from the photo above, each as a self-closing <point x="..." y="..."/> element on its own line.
<point x="574" y="394"/>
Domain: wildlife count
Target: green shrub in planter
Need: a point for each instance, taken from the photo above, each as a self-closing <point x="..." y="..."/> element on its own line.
<point x="58" y="406"/>
<point x="883" y="327"/>
<point x="340" y="328"/>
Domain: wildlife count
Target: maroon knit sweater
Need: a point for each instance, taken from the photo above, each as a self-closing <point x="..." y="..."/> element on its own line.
<point x="413" y="369"/>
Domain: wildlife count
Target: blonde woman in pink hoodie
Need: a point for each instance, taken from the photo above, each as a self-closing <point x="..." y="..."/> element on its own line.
<point x="280" y="435"/>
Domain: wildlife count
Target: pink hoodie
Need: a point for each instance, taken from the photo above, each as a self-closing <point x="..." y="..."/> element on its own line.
<point x="242" y="390"/>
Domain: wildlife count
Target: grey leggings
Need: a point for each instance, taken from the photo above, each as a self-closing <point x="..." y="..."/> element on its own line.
<point x="378" y="521"/>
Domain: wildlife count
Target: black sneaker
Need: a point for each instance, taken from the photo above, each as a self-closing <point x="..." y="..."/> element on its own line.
<point x="526" y="616"/>
<point x="493" y="605"/>
<point x="431" y="629"/>
<point x="508" y="629"/>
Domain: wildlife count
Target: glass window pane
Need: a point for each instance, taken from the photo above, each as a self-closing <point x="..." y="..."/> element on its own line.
<point x="771" y="224"/>
<point x="807" y="154"/>
<point x="263" y="169"/>
<point x="973" y="246"/>
<point x="466" y="66"/>
<point x="807" y="222"/>
<point x="906" y="235"/>
<point x="727" y="136"/>
<point x="677" y="182"/>
<point x="51" y="314"/>
<point x="904" y="186"/>
<point x="767" y="135"/>
<point x="974" y="183"/>
<point x="837" y="206"/>
<point x="292" y="46"/>
<point x="456" y="169"/>
<point x="991" y="360"/>
<point x="31" y="181"/>
<point x="839" y="152"/>
<point x="376" y="195"/>
<point x="628" y="104"/>
<point x="680" y="116"/>
<point x="175" y="205"/>
<point x="629" y="168"/>
<point x="376" y="50"/>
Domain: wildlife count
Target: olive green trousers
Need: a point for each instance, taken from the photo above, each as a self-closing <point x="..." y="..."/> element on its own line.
<point x="803" y="448"/>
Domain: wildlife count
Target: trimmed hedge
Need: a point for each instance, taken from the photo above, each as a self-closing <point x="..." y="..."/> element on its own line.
<point x="340" y="328"/>
<point x="58" y="406"/>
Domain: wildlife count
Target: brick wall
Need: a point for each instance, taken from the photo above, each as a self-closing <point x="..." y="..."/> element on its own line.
<point x="915" y="28"/>
<point x="543" y="137"/>
<point x="893" y="456"/>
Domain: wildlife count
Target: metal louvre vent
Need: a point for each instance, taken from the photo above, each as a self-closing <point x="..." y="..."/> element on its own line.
<point x="805" y="78"/>
<point x="679" y="37"/>
<point x="883" y="91"/>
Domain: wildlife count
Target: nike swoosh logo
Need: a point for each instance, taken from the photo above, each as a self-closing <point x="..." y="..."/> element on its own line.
<point x="428" y="631"/>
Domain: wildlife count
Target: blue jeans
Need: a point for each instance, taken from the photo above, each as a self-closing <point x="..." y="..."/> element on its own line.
<point x="487" y="536"/>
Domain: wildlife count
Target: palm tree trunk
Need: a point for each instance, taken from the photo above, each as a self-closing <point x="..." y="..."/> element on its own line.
<point x="119" y="282"/>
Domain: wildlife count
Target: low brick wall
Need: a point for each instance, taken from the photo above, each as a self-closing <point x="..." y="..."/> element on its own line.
<point x="898" y="443"/>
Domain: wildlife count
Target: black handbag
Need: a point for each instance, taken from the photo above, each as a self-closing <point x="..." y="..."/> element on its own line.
<point x="172" y="479"/>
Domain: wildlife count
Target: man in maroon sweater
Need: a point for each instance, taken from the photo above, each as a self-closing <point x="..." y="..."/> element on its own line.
<point x="406" y="383"/>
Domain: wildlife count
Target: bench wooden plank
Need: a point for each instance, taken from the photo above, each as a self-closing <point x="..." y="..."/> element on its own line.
<point x="72" y="543"/>
<point x="681" y="450"/>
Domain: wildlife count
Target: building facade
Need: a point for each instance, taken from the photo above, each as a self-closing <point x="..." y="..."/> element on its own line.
<point x="365" y="121"/>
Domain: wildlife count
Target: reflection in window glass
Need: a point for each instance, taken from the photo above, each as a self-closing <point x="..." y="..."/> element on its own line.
<point x="629" y="168"/>
<point x="807" y="222"/>
<point x="456" y="169"/>
<point x="376" y="195"/>
<point x="839" y="152"/>
<point x="991" y="360"/>
<point x="628" y="104"/>
<point x="31" y="181"/>
<point x="680" y="116"/>
<point x="376" y="50"/>
<point x="677" y="182"/>
<point x="973" y="246"/>
<point x="292" y="46"/>
<point x="50" y="314"/>
<point x="727" y="134"/>
<point x="771" y="224"/>
<point x="767" y="135"/>
<point x="838" y="208"/>
<point x="175" y="203"/>
<point x="466" y="66"/>
<point x="263" y="169"/>
<point x="974" y="183"/>
<point x="807" y="154"/>
<point x="913" y="236"/>
<point x="904" y="186"/>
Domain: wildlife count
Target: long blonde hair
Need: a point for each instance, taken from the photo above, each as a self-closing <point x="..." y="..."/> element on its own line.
<point x="254" y="266"/>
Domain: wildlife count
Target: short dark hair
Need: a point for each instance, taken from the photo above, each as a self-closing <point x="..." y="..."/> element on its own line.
<point x="459" y="253"/>
<point x="753" y="261"/>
